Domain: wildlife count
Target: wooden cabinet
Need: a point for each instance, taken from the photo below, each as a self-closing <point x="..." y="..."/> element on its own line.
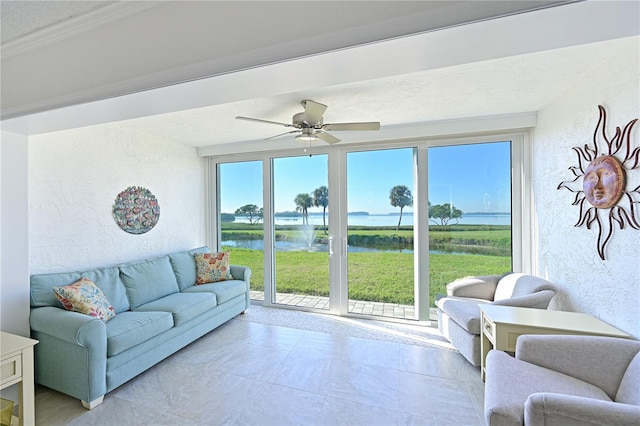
<point x="16" y="367"/>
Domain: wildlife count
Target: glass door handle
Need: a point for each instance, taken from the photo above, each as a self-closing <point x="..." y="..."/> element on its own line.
<point x="330" y="246"/>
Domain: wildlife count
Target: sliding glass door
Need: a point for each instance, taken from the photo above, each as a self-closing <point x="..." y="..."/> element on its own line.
<point x="380" y="255"/>
<point x="241" y="224"/>
<point x="375" y="230"/>
<point x="301" y="232"/>
<point x="470" y="212"/>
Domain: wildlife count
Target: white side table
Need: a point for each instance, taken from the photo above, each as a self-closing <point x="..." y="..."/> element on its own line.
<point x="500" y="327"/>
<point x="16" y="367"/>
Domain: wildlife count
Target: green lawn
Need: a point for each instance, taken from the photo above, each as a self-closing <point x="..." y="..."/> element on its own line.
<point x="373" y="276"/>
<point x="382" y="276"/>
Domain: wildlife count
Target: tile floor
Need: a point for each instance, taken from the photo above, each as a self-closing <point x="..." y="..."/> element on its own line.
<point x="252" y="373"/>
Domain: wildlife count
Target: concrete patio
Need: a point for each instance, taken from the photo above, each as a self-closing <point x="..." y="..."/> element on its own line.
<point x="381" y="309"/>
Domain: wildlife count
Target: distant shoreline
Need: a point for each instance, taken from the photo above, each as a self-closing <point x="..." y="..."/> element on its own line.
<point x="298" y="214"/>
<point x="388" y="219"/>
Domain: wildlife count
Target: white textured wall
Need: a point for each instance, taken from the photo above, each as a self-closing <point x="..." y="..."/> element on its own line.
<point x="14" y="272"/>
<point x="74" y="178"/>
<point x="566" y="255"/>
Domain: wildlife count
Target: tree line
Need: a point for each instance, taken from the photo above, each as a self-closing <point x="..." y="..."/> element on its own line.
<point x="399" y="196"/>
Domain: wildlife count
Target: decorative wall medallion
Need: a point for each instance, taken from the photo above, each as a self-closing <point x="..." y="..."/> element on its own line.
<point x="602" y="197"/>
<point x="136" y="210"/>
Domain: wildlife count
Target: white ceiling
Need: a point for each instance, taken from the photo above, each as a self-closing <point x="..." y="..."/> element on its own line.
<point x="21" y="18"/>
<point x="513" y="85"/>
<point x="487" y="86"/>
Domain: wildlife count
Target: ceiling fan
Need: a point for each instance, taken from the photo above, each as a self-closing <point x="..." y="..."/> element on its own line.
<point x="310" y="124"/>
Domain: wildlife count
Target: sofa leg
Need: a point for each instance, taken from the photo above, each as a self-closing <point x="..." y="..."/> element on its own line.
<point x="93" y="404"/>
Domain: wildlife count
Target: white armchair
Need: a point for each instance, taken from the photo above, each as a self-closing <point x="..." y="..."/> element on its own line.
<point x="564" y="381"/>
<point x="459" y="311"/>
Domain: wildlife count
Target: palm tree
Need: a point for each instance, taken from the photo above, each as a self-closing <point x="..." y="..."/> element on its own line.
<point x="321" y="199"/>
<point x="303" y="202"/>
<point x="400" y="196"/>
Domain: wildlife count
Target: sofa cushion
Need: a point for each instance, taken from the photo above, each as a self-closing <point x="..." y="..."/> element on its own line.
<point x="465" y="312"/>
<point x="85" y="297"/>
<point x="505" y="398"/>
<point x="129" y="329"/>
<point x="184" y="266"/>
<point x="629" y="390"/>
<point x="212" y="267"/>
<point x="106" y="279"/>
<point x="183" y="306"/>
<point x="224" y="290"/>
<point x="148" y="280"/>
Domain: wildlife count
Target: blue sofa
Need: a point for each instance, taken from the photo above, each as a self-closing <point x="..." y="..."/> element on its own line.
<point x="159" y="310"/>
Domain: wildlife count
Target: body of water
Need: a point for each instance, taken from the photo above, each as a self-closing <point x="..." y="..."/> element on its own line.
<point x="392" y="219"/>
<point x="300" y="246"/>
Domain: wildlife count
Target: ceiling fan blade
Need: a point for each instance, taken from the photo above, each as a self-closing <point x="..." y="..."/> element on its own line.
<point x="282" y="134"/>
<point x="372" y="125"/>
<point x="330" y="139"/>
<point x="258" y="120"/>
<point x="313" y="111"/>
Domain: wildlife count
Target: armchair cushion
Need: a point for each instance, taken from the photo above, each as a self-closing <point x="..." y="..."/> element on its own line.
<point x="483" y="287"/>
<point x="629" y="390"/>
<point x="514" y="285"/>
<point x="537" y="300"/>
<point x="465" y="312"/>
<point x="575" y="355"/>
<point x="564" y="380"/>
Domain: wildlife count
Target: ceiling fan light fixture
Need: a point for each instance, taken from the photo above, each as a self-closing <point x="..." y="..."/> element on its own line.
<point x="311" y="127"/>
<point x="306" y="137"/>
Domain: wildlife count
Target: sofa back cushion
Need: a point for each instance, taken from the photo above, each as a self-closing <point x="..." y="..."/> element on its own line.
<point x="184" y="266"/>
<point x="106" y="279"/>
<point x="148" y="280"/>
<point x="629" y="390"/>
<point x="514" y="285"/>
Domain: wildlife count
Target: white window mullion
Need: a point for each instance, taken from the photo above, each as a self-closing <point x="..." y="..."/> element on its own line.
<point x="523" y="223"/>
<point x="338" y="301"/>
<point x="211" y="205"/>
<point x="421" y="233"/>
<point x="269" y="230"/>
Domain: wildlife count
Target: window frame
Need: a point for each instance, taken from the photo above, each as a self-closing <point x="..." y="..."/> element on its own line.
<point x="521" y="206"/>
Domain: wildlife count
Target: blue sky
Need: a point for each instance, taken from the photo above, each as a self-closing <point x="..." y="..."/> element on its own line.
<point x="475" y="178"/>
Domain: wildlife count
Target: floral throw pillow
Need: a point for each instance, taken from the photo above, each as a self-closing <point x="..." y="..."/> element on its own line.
<point x="212" y="267"/>
<point x="85" y="297"/>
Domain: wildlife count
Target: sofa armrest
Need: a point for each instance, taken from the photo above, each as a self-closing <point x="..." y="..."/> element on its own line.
<point x="483" y="287"/>
<point x="71" y="356"/>
<point x="558" y="409"/>
<point x="538" y="300"/>
<point x="600" y="361"/>
<point x="241" y="273"/>
<point x="69" y="326"/>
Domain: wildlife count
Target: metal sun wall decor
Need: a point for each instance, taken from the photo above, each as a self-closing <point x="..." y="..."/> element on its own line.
<point x="136" y="210"/>
<point x="602" y="197"/>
